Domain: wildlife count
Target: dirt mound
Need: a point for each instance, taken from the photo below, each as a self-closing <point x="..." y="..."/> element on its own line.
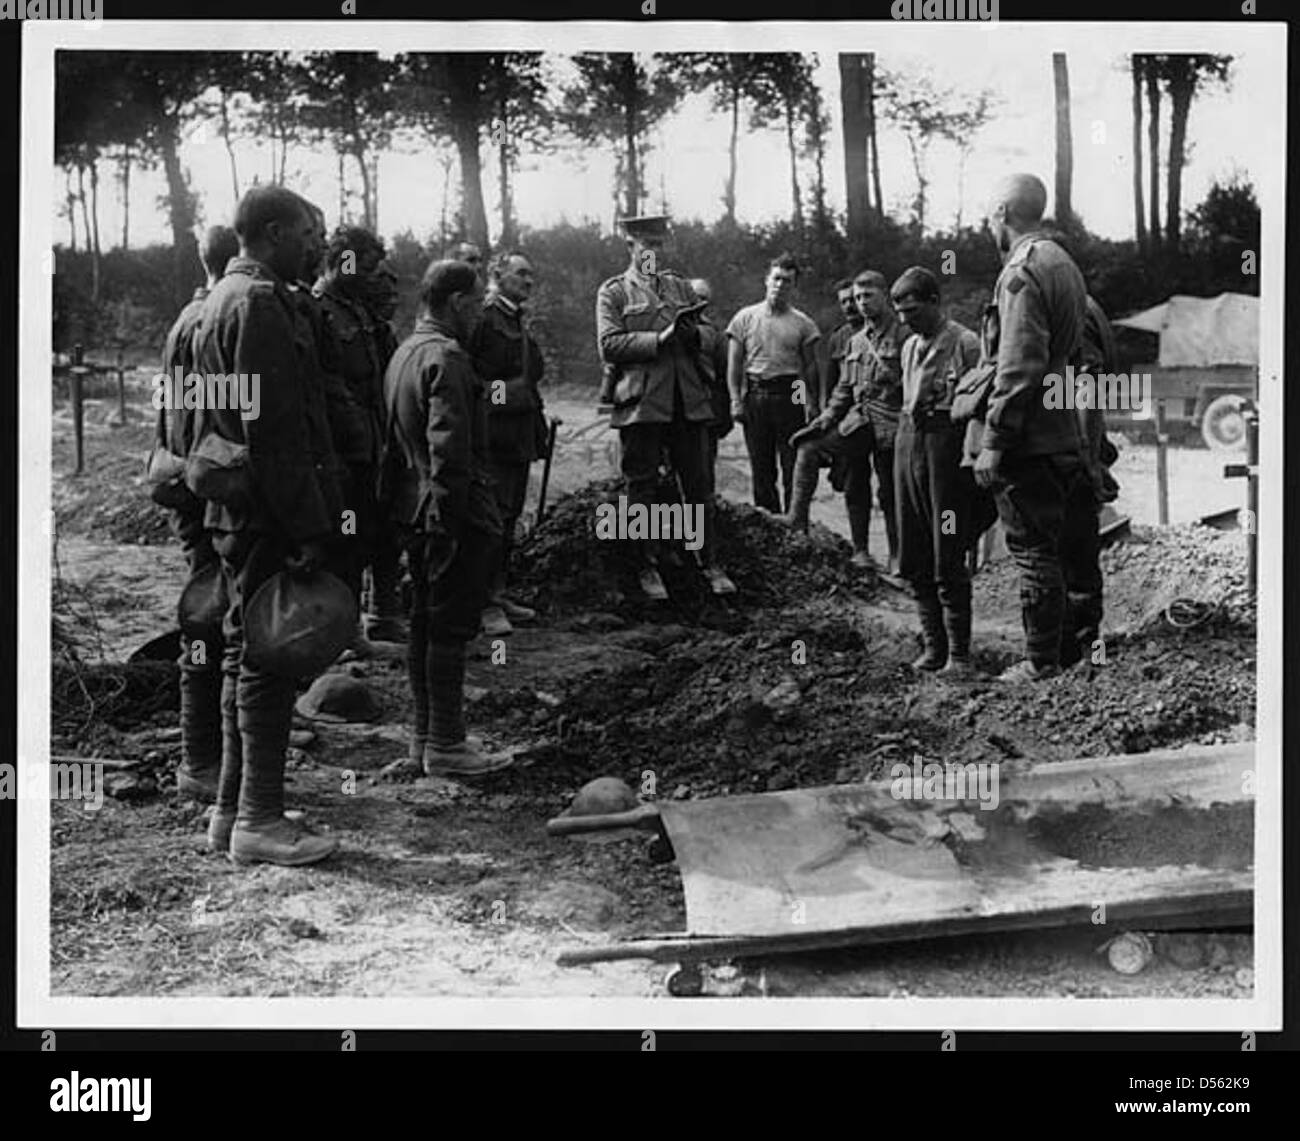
<point x="564" y="568"/>
<point x="1147" y="571"/>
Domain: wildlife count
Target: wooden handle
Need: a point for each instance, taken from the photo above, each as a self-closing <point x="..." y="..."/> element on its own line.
<point x="645" y="817"/>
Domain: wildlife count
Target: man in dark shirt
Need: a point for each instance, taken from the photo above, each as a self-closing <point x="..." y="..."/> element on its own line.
<point x="288" y="518"/>
<point x="200" y="673"/>
<point x="510" y="364"/>
<point x="437" y="482"/>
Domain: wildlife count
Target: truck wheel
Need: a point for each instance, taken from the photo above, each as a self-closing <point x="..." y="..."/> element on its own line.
<point x="685" y="981"/>
<point x="1223" y="427"/>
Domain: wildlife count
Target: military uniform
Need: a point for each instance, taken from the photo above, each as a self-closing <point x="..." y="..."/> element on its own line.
<point x="837" y="345"/>
<point x="713" y="346"/>
<point x="252" y="324"/>
<point x="933" y="489"/>
<point x="1080" y="538"/>
<point x="437" y="483"/>
<point x="1039" y="315"/>
<point x="361" y="347"/>
<point x="662" y="397"/>
<point x="873" y="367"/>
<point x="503" y="350"/>
<point x="200" y="680"/>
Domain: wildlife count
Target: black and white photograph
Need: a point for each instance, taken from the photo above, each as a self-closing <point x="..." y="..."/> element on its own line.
<point x="538" y="524"/>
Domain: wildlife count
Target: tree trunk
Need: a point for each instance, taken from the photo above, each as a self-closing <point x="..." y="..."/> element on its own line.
<point x="72" y="209"/>
<point x="95" y="252"/>
<point x="284" y="150"/>
<point x="1153" y="147"/>
<point x="465" y="123"/>
<point x="1139" y="209"/>
<point x="1064" y="141"/>
<point x="471" y="181"/>
<point x="230" y="150"/>
<point x="922" y="183"/>
<point x="374" y="190"/>
<point x="343" y="190"/>
<point x="963" y="154"/>
<point x="358" y="153"/>
<point x="1182" y="86"/>
<point x="796" y="200"/>
<point x="631" y="138"/>
<point x="446" y="201"/>
<point x="869" y="91"/>
<point x="504" y="160"/>
<point x="180" y="210"/>
<point x="853" y="120"/>
<point x="729" y="194"/>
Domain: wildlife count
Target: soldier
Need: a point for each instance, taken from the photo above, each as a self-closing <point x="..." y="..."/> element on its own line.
<point x="661" y="393"/>
<point x="287" y="518"/>
<point x="856" y="429"/>
<point x="200" y="680"/>
<point x="510" y="364"/>
<point x="1080" y="538"/>
<point x="838" y="342"/>
<point x="773" y="377"/>
<point x="364" y="345"/>
<point x="435" y="477"/>
<point x="713" y="345"/>
<point x="1032" y="455"/>
<point x="874" y="360"/>
<point x="933" y="489"/>
<point x="470" y="254"/>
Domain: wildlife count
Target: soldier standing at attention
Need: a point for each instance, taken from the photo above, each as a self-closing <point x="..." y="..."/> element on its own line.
<point x="510" y="365"/>
<point x="773" y="377"/>
<point x="1032" y="456"/>
<point x="287" y="520"/>
<point x="201" y="682"/>
<point x="363" y="345"/>
<point x="440" y="494"/>
<point x="933" y="489"/>
<point x="660" y="392"/>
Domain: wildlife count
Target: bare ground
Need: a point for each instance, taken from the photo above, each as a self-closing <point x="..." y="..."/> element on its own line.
<point x="442" y="888"/>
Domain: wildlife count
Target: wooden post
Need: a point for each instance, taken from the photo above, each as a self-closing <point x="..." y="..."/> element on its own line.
<point x="1162" y="465"/>
<point x="78" y="406"/>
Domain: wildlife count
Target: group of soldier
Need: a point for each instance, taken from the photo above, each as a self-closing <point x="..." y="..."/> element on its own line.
<point x="362" y="450"/>
<point x="365" y="450"/>
<point x="953" y="425"/>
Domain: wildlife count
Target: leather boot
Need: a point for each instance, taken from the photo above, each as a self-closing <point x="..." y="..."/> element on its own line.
<point x="200" y="767"/>
<point x="956" y="602"/>
<point x="232" y="766"/>
<point x="933" y="636"/>
<point x="859" y="524"/>
<point x="445" y="679"/>
<point x="804" y="485"/>
<point x="262" y="834"/>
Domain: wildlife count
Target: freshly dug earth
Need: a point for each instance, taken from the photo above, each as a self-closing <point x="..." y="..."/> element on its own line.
<point x="442" y="888"/>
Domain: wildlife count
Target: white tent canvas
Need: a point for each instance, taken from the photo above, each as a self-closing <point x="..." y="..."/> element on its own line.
<point x="1202" y="332"/>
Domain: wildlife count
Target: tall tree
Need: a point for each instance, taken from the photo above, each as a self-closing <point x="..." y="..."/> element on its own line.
<point x="1064" y="141"/>
<point x="1183" y="75"/>
<point x="619" y="97"/>
<point x="853" y="125"/>
<point x="817" y="127"/>
<point x="783" y="83"/>
<point x="873" y="147"/>
<point x="965" y="119"/>
<point x="1136" y="69"/>
<point x="447" y="95"/>
<point x="730" y="80"/>
<point x="1151" y="71"/>
<point x="516" y="90"/>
